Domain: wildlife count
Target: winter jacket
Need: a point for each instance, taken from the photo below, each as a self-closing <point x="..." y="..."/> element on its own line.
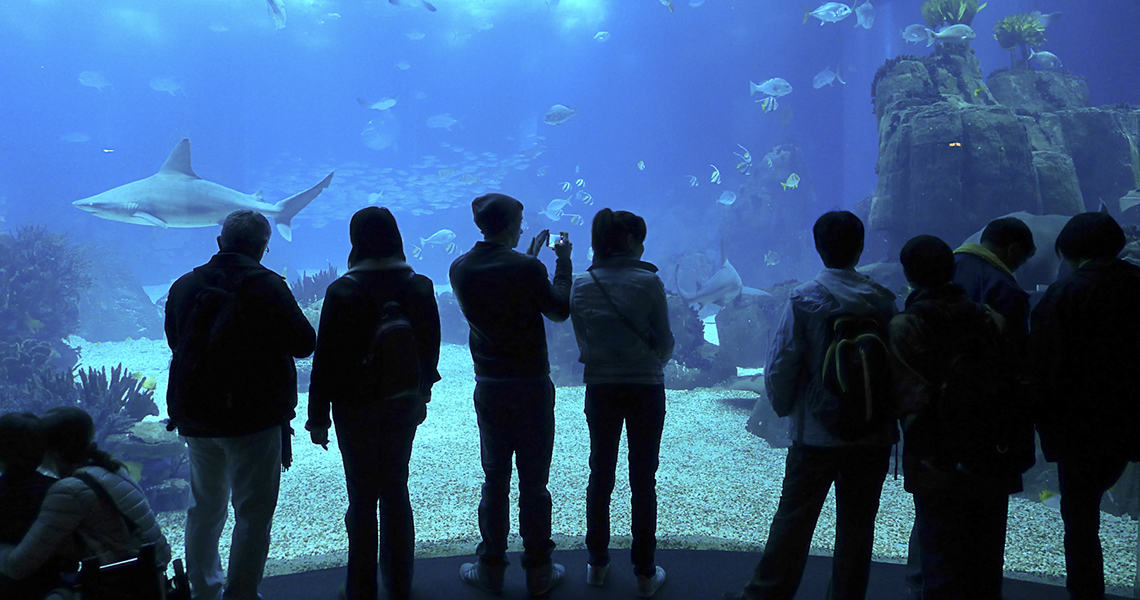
<point x="72" y="511"/>
<point x="793" y="374"/>
<point x="504" y="295"/>
<point x="923" y="343"/>
<point x="988" y="281"/>
<point x="274" y="330"/>
<point x="611" y="350"/>
<point x="349" y="316"/>
<point x="1085" y="358"/>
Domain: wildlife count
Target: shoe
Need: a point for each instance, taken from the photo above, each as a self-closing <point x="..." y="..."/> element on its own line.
<point x="540" y="580"/>
<point x="475" y="575"/>
<point x="596" y="576"/>
<point x="647" y="586"/>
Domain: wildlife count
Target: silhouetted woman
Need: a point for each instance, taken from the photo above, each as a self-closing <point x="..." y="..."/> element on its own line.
<point x="621" y="320"/>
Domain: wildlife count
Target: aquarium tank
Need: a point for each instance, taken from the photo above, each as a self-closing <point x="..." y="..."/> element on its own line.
<point x="729" y="125"/>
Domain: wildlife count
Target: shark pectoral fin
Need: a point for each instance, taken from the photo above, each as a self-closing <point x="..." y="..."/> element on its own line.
<point x="754" y="292"/>
<point x="286" y="231"/>
<point x="179" y="160"/>
<point x="149" y="218"/>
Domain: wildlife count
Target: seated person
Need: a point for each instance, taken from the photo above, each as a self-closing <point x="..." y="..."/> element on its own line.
<point x="75" y="522"/>
<point x="22" y="490"/>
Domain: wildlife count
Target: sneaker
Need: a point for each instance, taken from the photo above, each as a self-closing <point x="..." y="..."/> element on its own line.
<point x="596" y="576"/>
<point x="647" y="586"/>
<point x="540" y="580"/>
<point x="475" y="575"/>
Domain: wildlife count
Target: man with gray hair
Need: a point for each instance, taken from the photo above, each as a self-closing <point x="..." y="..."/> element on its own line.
<point x="235" y="329"/>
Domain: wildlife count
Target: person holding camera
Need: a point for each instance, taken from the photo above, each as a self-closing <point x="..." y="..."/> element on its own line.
<point x="621" y="321"/>
<point x="504" y="295"/>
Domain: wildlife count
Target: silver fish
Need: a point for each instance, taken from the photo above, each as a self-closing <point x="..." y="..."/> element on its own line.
<point x="558" y="114"/>
<point x="277" y="11"/>
<point x="831" y="12"/>
<point x="772" y="87"/>
<point x="865" y="13"/>
<point x="957" y="32"/>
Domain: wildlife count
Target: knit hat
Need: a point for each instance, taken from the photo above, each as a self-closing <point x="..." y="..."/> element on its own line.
<point x="374" y="234"/>
<point x="494" y="212"/>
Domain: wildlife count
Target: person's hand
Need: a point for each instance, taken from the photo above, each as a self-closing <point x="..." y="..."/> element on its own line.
<point x="562" y="248"/>
<point x="538" y="242"/>
<point x="320" y="436"/>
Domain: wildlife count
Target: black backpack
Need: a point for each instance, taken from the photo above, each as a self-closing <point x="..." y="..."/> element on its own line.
<point x="857" y="373"/>
<point x="390" y="368"/>
<point x="984" y="427"/>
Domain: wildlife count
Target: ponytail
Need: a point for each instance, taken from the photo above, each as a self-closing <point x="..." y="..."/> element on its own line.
<point x="70" y="433"/>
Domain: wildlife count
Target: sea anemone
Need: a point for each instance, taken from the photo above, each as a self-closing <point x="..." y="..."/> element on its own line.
<point x="1022" y="30"/>
<point x="950" y="12"/>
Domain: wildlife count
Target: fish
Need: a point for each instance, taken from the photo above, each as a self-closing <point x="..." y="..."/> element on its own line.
<point x="403" y="65"/>
<point x="580" y="183"/>
<point x="93" y="79"/>
<point x="715" y="174"/>
<point x="163" y="84"/>
<point x="641" y="165"/>
<point x="577" y="219"/>
<point x="769" y="104"/>
<point x="792" y="183"/>
<point x="771" y="258"/>
<point x="557" y="204"/>
<point x="218" y="28"/>
<point x="277" y="11"/>
<point x="914" y="33"/>
<point x="584" y="197"/>
<point x="831" y="12"/>
<point x="727" y="198"/>
<point x="541" y="172"/>
<point x="381" y="104"/>
<point x="577" y="169"/>
<point x="668" y="3"/>
<point x="483" y="23"/>
<point x="1045" y="19"/>
<point x="826" y="77"/>
<point x="1045" y="59"/>
<point x="772" y="87"/>
<point x="602" y="36"/>
<point x="1129" y="200"/>
<point x="743" y="167"/>
<point x="443" y="121"/>
<point x="1050" y="499"/>
<point x="558" y="114"/>
<point x="445" y="173"/>
<point x="149" y="383"/>
<point x="443" y="237"/>
<point x="696" y="3"/>
<point x="692" y="180"/>
<point x="978" y="91"/>
<point x="959" y="32"/>
<point x="75" y="138"/>
<point x="566" y="186"/>
<point x="415" y="35"/>
<point x="721" y="288"/>
<point x="468" y="179"/>
<point x="746" y="157"/>
<point x="865" y="14"/>
<point x="33" y="325"/>
<point x="410" y="3"/>
<point x="177" y="197"/>
<point x="417" y="252"/>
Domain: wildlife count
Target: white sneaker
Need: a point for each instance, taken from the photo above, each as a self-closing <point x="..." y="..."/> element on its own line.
<point x="596" y="576"/>
<point x="647" y="586"/>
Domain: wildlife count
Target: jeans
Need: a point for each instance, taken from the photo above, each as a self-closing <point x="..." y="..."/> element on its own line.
<point x="1083" y="483"/>
<point x="858" y="473"/>
<point x="516" y="419"/>
<point x="248" y="468"/>
<point x="375" y="442"/>
<point x="642" y="409"/>
<point x="960" y="534"/>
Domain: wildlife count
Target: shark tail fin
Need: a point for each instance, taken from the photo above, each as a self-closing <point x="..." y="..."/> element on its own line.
<point x="285" y="210"/>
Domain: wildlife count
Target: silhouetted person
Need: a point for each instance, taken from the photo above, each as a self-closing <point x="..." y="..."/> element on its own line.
<point x="85" y="513"/>
<point x="235" y="330"/>
<point x="374" y="431"/>
<point x="22" y="491"/>
<point x="818" y="456"/>
<point x="958" y="538"/>
<point x="621" y="321"/>
<point x="1084" y="357"/>
<point x="504" y="295"/>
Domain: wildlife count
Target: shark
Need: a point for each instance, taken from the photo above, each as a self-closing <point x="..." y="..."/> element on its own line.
<point x="177" y="197"/>
<point x="721" y="288"/>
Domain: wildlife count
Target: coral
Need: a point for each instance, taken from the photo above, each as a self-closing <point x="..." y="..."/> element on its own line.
<point x="949" y="12"/>
<point x="689" y="333"/>
<point x="311" y="288"/>
<point x="41" y="275"/>
<point x="1022" y="29"/>
<point x="29" y="379"/>
<point x="886" y="68"/>
<point x="115" y="404"/>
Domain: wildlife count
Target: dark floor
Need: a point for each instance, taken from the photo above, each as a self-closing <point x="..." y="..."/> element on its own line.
<point x="692" y="575"/>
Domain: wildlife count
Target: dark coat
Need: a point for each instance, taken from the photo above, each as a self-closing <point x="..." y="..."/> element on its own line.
<point x="504" y="294"/>
<point x="1085" y="348"/>
<point x="277" y="332"/>
<point x="349" y="317"/>
<point x="988" y="284"/>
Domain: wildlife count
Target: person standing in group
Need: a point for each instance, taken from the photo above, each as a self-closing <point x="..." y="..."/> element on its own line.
<point x="831" y="442"/>
<point x="235" y="330"/>
<point x="1084" y="356"/>
<point x="504" y="296"/>
<point x="380" y="311"/>
<point x="621" y="321"/>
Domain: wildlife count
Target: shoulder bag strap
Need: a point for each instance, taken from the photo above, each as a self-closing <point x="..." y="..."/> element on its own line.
<point x="648" y="342"/>
<point x="106" y="498"/>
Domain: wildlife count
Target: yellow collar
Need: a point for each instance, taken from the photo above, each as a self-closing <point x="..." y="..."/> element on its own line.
<point x="981" y="252"/>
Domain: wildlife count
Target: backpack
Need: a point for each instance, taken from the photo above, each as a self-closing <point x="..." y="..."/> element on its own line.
<point x="857" y="373"/>
<point x="984" y="427"/>
<point x="390" y="368"/>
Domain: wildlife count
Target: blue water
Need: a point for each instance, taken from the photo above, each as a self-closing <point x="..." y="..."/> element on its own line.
<point x="276" y="109"/>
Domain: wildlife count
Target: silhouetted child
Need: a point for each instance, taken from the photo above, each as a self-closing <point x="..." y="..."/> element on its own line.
<point x="22" y="490"/>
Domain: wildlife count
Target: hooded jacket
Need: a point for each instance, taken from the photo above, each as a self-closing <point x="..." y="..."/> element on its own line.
<point x="988" y="281"/>
<point x="794" y="370"/>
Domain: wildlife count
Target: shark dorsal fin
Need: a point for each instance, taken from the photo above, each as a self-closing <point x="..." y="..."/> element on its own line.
<point x="258" y="195"/>
<point x="179" y="160"/>
<point x="723" y="256"/>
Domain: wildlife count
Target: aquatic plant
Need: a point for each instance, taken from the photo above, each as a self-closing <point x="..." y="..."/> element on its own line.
<point x="30" y="379"/>
<point x="949" y="12"/>
<point x="311" y="288"/>
<point x="41" y="276"/>
<point x="1021" y="31"/>
<point x="114" y="404"/>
